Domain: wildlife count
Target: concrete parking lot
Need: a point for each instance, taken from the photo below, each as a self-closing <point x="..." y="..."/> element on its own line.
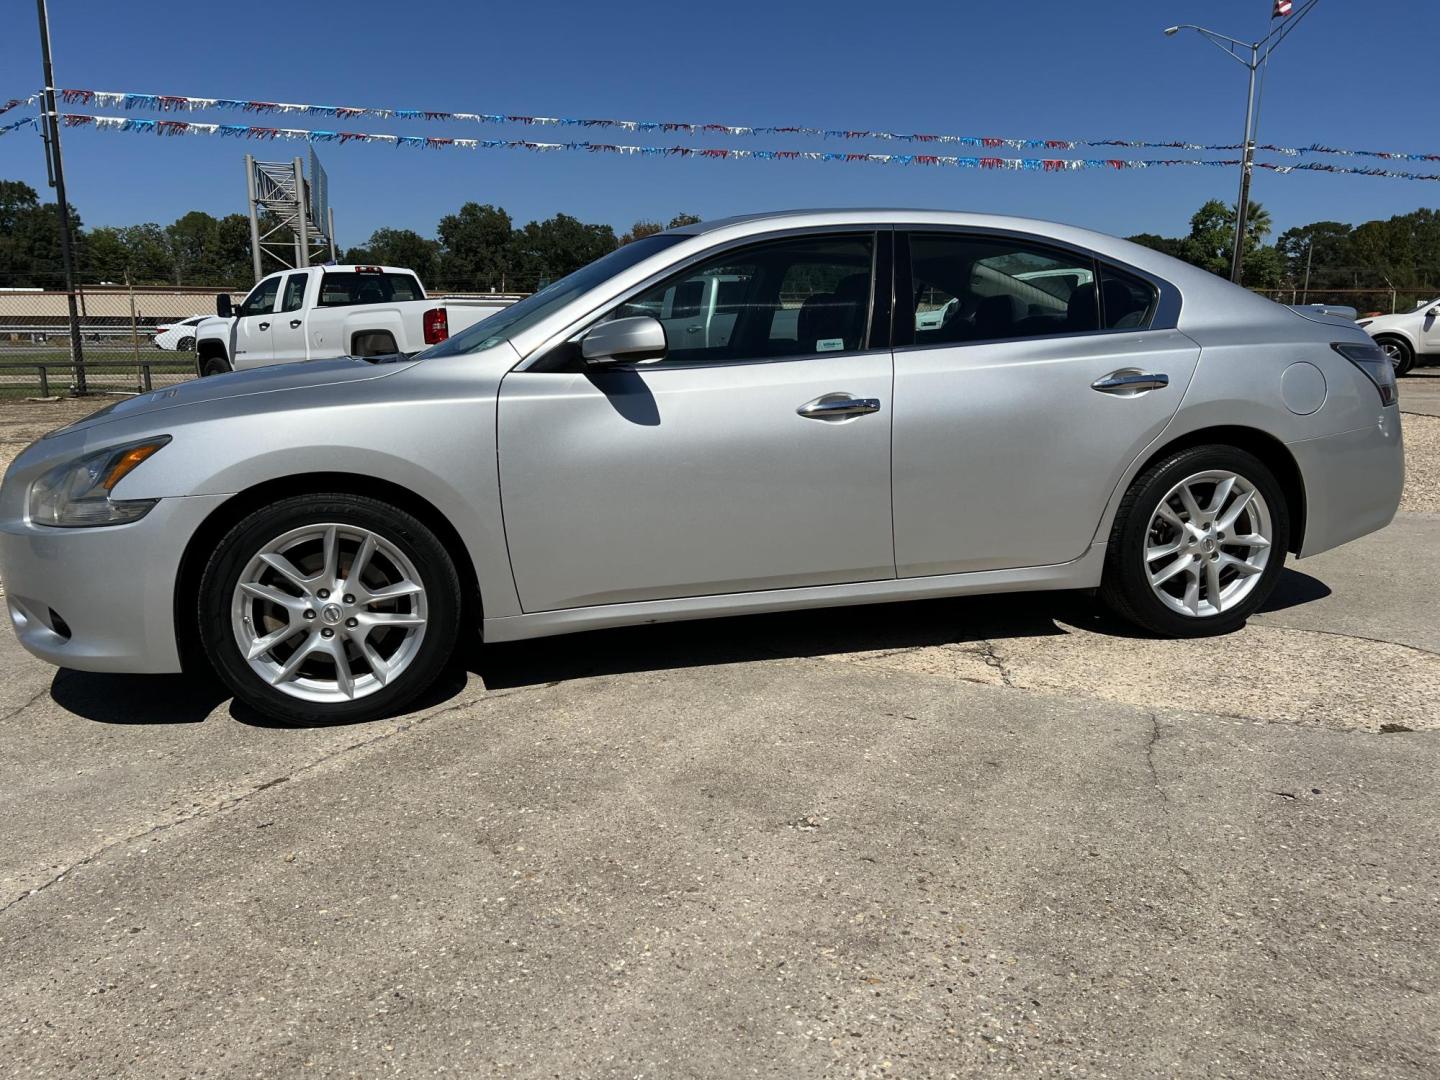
<point x="958" y="837"/>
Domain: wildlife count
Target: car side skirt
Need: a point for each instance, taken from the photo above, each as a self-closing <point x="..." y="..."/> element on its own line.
<point x="1081" y="573"/>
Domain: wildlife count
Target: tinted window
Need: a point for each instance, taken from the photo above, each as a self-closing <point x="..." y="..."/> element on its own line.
<point x="1128" y="302"/>
<point x="984" y="289"/>
<point x="262" y="298"/>
<point x="294" y="292"/>
<point x="785" y="298"/>
<point x="348" y="287"/>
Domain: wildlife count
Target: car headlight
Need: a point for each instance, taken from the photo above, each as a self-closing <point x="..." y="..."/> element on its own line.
<point x="1370" y="359"/>
<point x="77" y="493"/>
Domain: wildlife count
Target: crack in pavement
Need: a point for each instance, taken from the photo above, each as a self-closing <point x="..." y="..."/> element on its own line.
<point x="231" y="802"/>
<point x="21" y="708"/>
<point x="1150" y="744"/>
<point x="1353" y="637"/>
<point x="992" y="658"/>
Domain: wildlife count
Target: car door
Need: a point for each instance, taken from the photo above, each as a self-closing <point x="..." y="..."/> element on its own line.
<point x="1015" y="418"/>
<point x="287" y="331"/>
<point x="760" y="461"/>
<point x="1430" y="328"/>
<point x="251" y="336"/>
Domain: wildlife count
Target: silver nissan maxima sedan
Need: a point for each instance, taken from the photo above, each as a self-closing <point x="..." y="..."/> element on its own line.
<point x="771" y="412"/>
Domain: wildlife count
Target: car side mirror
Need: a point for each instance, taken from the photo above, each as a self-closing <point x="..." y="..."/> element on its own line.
<point x="636" y="339"/>
<point x="1432" y="313"/>
<point x="223" y="306"/>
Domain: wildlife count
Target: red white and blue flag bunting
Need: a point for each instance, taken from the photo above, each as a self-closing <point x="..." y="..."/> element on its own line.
<point x="254" y="131"/>
<point x="184" y="103"/>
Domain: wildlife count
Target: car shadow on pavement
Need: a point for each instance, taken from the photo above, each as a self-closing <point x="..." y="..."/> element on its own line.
<point x="819" y="632"/>
<point x="137" y="699"/>
<point x="189" y="699"/>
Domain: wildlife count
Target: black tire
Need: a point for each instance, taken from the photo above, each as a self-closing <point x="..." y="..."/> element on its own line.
<point x="185" y="344"/>
<point x="1125" y="587"/>
<point x="215" y="365"/>
<point x="410" y="535"/>
<point x="1400" y="353"/>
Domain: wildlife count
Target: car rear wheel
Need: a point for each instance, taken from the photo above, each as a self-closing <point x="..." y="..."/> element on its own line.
<point x="1399" y="352"/>
<point x="1198" y="543"/>
<point x="329" y="608"/>
<point x="185" y="344"/>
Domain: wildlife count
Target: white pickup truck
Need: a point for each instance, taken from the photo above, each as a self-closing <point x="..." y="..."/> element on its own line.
<point x="327" y="311"/>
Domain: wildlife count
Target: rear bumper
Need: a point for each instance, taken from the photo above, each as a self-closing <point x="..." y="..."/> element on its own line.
<point x="1353" y="482"/>
<point x="112" y="587"/>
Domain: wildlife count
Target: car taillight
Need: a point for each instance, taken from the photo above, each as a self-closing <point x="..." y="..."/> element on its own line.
<point x="1372" y="360"/>
<point x="437" y="326"/>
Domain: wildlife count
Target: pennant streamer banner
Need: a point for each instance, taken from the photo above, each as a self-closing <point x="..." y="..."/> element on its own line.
<point x="244" y="131"/>
<point x="29" y="121"/>
<point x="14" y="101"/>
<point x="110" y="99"/>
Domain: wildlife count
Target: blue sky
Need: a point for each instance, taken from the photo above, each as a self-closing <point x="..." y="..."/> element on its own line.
<point x="1348" y="76"/>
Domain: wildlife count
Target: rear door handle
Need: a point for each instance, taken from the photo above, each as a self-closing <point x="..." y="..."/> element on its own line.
<point x="264" y="326"/>
<point x="838" y="407"/>
<point x="1128" y="382"/>
<point x="294" y="324"/>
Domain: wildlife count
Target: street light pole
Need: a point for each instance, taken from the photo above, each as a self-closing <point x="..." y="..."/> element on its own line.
<point x="1247" y="166"/>
<point x="57" y="174"/>
<point x="1253" y="62"/>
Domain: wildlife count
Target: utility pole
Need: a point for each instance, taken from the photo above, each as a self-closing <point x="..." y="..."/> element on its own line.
<point x="1309" y="254"/>
<point x="1259" y="56"/>
<point x="51" y="137"/>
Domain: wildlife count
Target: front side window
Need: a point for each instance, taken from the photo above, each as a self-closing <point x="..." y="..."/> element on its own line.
<point x="785" y="298"/>
<point x="348" y="287"/>
<point x="294" y="292"/>
<point x="261" y="300"/>
<point x="986" y="289"/>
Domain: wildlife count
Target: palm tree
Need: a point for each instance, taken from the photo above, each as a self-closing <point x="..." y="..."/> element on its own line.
<point x="1257" y="224"/>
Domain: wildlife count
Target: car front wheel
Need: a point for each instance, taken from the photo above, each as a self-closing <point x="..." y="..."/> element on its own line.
<point x="1198" y="543"/>
<point x="329" y="608"/>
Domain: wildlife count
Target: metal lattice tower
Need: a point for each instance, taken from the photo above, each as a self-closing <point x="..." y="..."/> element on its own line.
<point x="290" y="219"/>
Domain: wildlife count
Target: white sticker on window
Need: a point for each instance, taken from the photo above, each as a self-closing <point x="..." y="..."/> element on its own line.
<point x="830" y="344"/>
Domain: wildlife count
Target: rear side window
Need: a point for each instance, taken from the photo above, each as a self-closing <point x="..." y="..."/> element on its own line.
<point x="294" y="292"/>
<point x="1128" y="303"/>
<point x="971" y="288"/>
<point x="348" y="287"/>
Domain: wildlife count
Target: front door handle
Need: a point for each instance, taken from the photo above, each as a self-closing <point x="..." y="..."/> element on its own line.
<point x="264" y="326"/>
<point x="1128" y="382"/>
<point x="838" y="407"/>
<point x="294" y="324"/>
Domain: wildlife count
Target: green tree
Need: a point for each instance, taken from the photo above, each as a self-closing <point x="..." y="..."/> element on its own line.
<point x="476" y="248"/>
<point x="400" y="247"/>
<point x="550" y="249"/>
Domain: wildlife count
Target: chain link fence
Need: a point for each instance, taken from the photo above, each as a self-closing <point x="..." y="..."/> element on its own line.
<point x="132" y="339"/>
<point x="1364" y="301"/>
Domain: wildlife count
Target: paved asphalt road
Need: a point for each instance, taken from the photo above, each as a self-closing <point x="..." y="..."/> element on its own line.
<point x="951" y="838"/>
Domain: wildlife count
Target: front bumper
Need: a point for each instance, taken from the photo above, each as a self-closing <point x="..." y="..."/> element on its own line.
<point x="1353" y="482"/>
<point x="113" y="588"/>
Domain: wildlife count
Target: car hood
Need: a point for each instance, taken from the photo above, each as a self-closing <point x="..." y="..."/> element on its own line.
<point x="275" y="379"/>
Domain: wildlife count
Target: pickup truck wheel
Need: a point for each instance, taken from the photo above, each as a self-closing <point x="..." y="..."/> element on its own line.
<point x="329" y="608"/>
<point x="1399" y="352"/>
<point x="216" y="365"/>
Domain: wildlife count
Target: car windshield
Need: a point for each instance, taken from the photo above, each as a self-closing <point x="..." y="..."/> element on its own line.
<point x="517" y="318"/>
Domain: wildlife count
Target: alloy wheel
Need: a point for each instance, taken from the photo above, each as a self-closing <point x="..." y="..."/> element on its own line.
<point x="329" y="612"/>
<point x="1208" y="543"/>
